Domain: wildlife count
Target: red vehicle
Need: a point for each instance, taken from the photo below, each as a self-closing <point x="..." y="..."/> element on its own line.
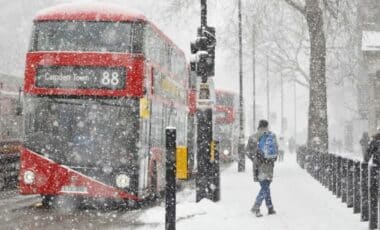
<point x="101" y="84"/>
<point x="226" y="130"/>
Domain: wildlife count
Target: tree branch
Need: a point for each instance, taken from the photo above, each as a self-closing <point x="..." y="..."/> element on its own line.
<point x="296" y="6"/>
<point x="307" y="86"/>
<point x="330" y="9"/>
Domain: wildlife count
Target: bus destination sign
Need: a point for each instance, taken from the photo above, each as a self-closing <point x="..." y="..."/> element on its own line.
<point x="81" y="77"/>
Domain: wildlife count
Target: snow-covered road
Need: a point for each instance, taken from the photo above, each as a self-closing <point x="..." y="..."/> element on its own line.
<point x="300" y="201"/>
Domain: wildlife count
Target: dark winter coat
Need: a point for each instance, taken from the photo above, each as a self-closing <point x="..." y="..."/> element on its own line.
<point x="262" y="168"/>
<point x="374" y="150"/>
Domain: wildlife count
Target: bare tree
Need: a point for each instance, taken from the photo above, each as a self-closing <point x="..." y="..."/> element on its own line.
<point x="318" y="123"/>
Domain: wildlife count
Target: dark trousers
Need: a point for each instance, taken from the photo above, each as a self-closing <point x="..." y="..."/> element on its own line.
<point x="264" y="194"/>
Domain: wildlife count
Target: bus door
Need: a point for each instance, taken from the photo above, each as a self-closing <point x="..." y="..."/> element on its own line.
<point x="145" y="135"/>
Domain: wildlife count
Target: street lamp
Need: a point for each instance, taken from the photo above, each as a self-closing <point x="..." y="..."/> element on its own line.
<point x="241" y="151"/>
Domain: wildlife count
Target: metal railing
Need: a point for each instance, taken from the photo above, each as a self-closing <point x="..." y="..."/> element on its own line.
<point x="356" y="183"/>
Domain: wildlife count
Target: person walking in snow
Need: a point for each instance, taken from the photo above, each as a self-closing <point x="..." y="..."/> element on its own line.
<point x="374" y="149"/>
<point x="292" y="145"/>
<point x="281" y="148"/>
<point x="262" y="149"/>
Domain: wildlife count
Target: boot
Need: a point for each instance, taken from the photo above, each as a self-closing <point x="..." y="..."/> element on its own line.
<point x="256" y="211"/>
<point x="271" y="211"/>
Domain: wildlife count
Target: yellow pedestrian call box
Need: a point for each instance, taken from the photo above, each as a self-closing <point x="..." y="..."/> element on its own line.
<point x="212" y="151"/>
<point x="181" y="163"/>
<point x="144" y="108"/>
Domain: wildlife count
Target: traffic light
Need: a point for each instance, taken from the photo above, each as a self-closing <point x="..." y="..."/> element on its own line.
<point x="209" y="33"/>
<point x="204" y="50"/>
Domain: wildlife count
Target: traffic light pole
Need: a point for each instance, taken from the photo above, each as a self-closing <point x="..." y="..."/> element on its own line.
<point x="203" y="13"/>
<point x="207" y="158"/>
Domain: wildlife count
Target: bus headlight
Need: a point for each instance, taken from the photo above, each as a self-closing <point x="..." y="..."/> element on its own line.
<point x="122" y="181"/>
<point x="226" y="152"/>
<point x="29" y="177"/>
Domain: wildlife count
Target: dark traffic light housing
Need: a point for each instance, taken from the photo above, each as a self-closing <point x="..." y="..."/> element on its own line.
<point x="204" y="49"/>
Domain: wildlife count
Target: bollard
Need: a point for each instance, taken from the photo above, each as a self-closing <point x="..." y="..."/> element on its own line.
<point x="303" y="157"/>
<point x="373" y="195"/>
<point x="314" y="167"/>
<point x="317" y="165"/>
<point x="320" y="167"/>
<point x="327" y="171"/>
<point x="357" y="197"/>
<point x="323" y="169"/>
<point x="170" y="189"/>
<point x="330" y="171"/>
<point x="350" y="183"/>
<point x="344" y="180"/>
<point x="364" y="191"/>
<point x="335" y="173"/>
<point x="339" y="177"/>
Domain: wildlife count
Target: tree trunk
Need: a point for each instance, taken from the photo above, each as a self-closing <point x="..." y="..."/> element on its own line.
<point x="318" y="124"/>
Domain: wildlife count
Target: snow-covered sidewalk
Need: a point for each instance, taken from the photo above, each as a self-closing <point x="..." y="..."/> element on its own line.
<point x="300" y="201"/>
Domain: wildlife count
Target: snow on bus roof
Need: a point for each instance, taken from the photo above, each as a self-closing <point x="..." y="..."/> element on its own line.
<point x="98" y="11"/>
<point x="224" y="91"/>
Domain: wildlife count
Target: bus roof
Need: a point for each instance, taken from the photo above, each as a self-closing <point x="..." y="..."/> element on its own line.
<point x="90" y="11"/>
<point x="224" y="92"/>
<point x="97" y="11"/>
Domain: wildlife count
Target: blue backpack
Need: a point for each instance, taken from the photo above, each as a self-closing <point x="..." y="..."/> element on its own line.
<point x="267" y="146"/>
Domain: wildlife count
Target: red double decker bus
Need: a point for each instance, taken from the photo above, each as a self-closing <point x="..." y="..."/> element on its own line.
<point x="226" y="125"/>
<point x="101" y="84"/>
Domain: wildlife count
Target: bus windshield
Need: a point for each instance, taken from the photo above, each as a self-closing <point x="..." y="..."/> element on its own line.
<point x="225" y="99"/>
<point x="87" y="36"/>
<point x="82" y="132"/>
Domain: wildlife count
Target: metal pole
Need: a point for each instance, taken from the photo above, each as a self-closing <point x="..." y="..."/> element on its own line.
<point x="295" y="111"/>
<point x="254" y="79"/>
<point x="204" y="138"/>
<point x="350" y="183"/>
<point x="339" y="178"/>
<point x="282" y="106"/>
<point x="357" y="197"/>
<point x="373" y="196"/>
<point x="344" y="179"/>
<point x="203" y="13"/>
<point x="241" y="163"/>
<point x="170" y="190"/>
<point x="331" y="172"/>
<point x="204" y="178"/>
<point x="364" y="192"/>
<point x="267" y="82"/>
<point x="335" y="175"/>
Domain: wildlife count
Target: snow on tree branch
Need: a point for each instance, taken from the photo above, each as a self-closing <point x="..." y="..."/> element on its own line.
<point x="297" y="6"/>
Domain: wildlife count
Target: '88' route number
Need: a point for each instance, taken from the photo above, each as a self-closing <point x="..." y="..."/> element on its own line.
<point x="110" y="78"/>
